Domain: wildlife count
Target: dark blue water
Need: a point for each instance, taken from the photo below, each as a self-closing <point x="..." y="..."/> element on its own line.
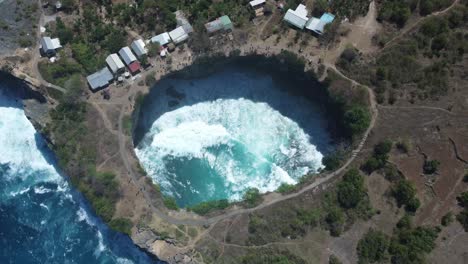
<point x="42" y="219"/>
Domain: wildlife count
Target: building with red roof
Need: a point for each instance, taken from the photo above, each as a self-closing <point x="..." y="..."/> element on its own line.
<point x="134" y="67"/>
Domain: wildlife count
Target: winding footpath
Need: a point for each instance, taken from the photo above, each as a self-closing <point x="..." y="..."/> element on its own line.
<point x="208" y="221"/>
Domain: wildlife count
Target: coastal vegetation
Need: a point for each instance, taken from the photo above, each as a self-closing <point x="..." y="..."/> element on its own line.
<point x="75" y="149"/>
<point x="338" y="210"/>
<point x="207" y="207"/>
<point x="408" y="244"/>
<point x="419" y="65"/>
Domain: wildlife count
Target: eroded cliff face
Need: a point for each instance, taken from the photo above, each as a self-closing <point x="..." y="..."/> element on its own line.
<point x="36" y="105"/>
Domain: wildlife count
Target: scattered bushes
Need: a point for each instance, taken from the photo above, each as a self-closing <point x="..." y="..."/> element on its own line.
<point x="379" y="158"/>
<point x="263" y="256"/>
<point x="122" y="225"/>
<point x="286" y="188"/>
<point x="170" y="203"/>
<point x="252" y="197"/>
<point x="350" y="190"/>
<point x="405" y="194"/>
<point x="209" y="206"/>
<point x="372" y="247"/>
<point x="447" y="219"/>
<point x="357" y="120"/>
<point x="409" y="245"/>
<point x="58" y="72"/>
<point x="431" y="166"/>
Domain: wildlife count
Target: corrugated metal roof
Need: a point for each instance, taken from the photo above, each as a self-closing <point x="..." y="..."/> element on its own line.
<point x="292" y="18"/>
<point x="127" y="55"/>
<point x="255" y="3"/>
<point x="162" y="39"/>
<point x="297" y="17"/>
<point x="183" y="21"/>
<point x="100" y="79"/>
<point x="46" y="43"/>
<point x="227" y="24"/>
<point x="178" y="35"/>
<point x="114" y="63"/>
<point x="138" y="46"/>
<point x="327" y="18"/>
<point x="134" y="67"/>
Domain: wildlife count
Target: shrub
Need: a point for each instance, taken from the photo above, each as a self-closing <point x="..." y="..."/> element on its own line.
<point x="285" y="188"/>
<point x="465" y="178"/>
<point x="405" y="194"/>
<point x="332" y="161"/>
<point x="350" y="190"/>
<point x="122" y="225"/>
<point x="372" y="247"/>
<point x="462" y="217"/>
<point x="431" y="166"/>
<point x="170" y="203"/>
<point x="209" y="206"/>
<point x="447" y="219"/>
<point x="333" y="260"/>
<point x="463" y="199"/>
<point x="252" y="197"/>
<point x="357" y="120"/>
<point x="335" y="220"/>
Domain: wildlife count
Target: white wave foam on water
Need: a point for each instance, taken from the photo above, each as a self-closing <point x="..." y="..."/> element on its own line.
<point x="247" y="144"/>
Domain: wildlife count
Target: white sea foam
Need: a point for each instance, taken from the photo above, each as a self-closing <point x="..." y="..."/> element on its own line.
<point x="273" y="149"/>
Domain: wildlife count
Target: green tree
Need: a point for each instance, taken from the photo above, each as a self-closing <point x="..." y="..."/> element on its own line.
<point x="405" y="194"/>
<point x="357" y="120"/>
<point x="252" y="197"/>
<point x="351" y="190"/>
<point x="372" y="247"/>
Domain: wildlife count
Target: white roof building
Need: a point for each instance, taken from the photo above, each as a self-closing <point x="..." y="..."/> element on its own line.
<point x="256" y="3"/>
<point x="49" y="46"/>
<point x="127" y="55"/>
<point x="183" y="21"/>
<point x="100" y="79"/>
<point x="162" y="39"/>
<point x="115" y="64"/>
<point x="298" y="17"/>
<point x="178" y="35"/>
<point x="317" y="25"/>
<point x="138" y="46"/>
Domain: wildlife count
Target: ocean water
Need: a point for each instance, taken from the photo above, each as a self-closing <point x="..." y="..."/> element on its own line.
<point x="42" y="219"/>
<point x="214" y="137"/>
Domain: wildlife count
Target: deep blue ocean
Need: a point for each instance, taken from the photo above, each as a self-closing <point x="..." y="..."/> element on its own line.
<point x="43" y="219"/>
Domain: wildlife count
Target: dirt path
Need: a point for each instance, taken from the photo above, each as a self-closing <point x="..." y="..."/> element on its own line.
<point x="209" y="221"/>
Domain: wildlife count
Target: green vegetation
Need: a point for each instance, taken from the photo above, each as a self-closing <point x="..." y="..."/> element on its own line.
<point x="396" y="11"/>
<point x="122" y="225"/>
<point x="379" y="157"/>
<point x="420" y="64"/>
<point x="58" y="72"/>
<point x="170" y="203"/>
<point x="405" y="194"/>
<point x="350" y="8"/>
<point x="447" y="219"/>
<point x="372" y="247"/>
<point x="286" y="188"/>
<point x="333" y="260"/>
<point x="252" y="197"/>
<point x="465" y="178"/>
<point x="263" y="256"/>
<point x="431" y="166"/>
<point x="350" y="190"/>
<point x="462" y="217"/>
<point x="409" y="245"/>
<point x="128" y="125"/>
<point x="333" y="160"/>
<point x="427" y="7"/>
<point x="204" y="208"/>
<point x="357" y="120"/>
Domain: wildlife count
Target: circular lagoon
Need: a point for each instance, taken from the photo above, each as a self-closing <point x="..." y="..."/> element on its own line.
<point x="214" y="137"/>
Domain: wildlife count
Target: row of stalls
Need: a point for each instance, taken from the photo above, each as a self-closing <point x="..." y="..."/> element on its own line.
<point x="299" y="19"/>
<point x="127" y="57"/>
<point x="126" y="63"/>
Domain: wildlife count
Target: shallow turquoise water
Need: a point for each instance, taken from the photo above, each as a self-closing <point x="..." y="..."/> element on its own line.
<point x="42" y="219"/>
<point x="214" y="137"/>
